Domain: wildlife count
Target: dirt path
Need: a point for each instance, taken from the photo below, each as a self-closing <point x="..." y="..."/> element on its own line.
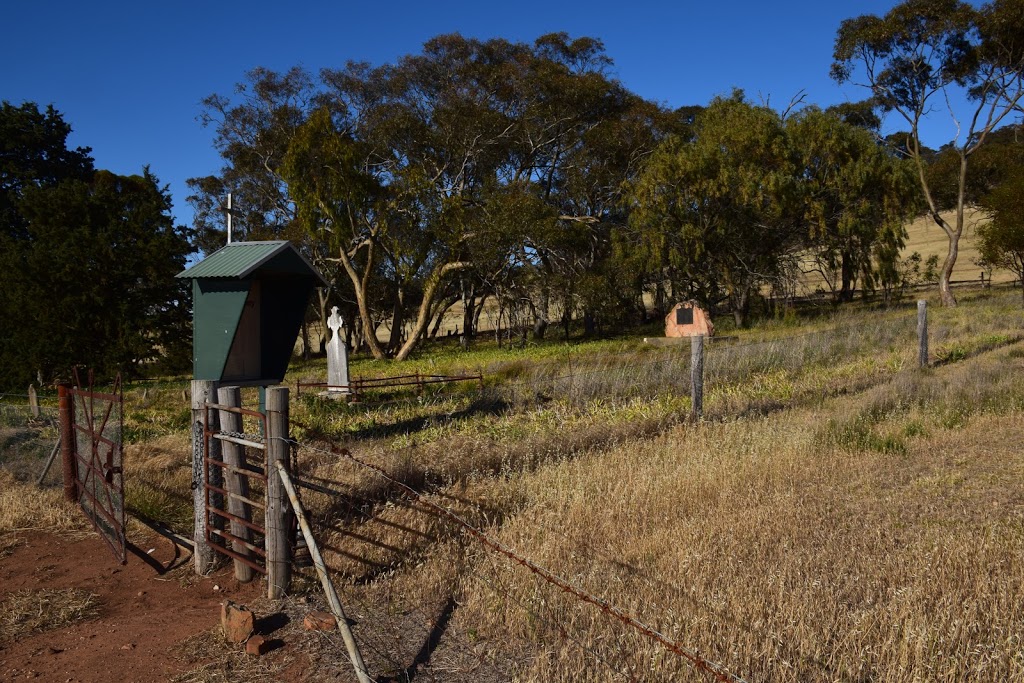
<point x="146" y="608"/>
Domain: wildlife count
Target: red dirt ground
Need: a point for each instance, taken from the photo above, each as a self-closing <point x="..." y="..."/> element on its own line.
<point x="144" y="611"/>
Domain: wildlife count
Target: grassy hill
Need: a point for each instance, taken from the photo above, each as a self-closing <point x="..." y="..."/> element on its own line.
<point x="926" y="238"/>
<point x="839" y="514"/>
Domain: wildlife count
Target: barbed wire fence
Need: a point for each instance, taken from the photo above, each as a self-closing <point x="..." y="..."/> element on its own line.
<point x="727" y="362"/>
<point x="693" y="658"/>
<point x="577" y="383"/>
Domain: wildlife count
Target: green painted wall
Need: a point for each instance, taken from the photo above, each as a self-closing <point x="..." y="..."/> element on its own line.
<point x="216" y="310"/>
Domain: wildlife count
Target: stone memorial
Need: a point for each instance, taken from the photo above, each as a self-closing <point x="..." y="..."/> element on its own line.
<point x="337" y="357"/>
<point x="688" y="320"/>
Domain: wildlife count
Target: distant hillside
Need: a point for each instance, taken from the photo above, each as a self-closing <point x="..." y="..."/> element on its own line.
<point x="925" y="237"/>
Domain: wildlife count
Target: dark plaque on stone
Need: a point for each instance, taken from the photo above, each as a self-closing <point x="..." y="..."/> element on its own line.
<point x="684" y="316"/>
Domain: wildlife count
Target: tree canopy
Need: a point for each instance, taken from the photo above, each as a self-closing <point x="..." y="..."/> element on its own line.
<point x="912" y="58"/>
<point x="87" y="262"/>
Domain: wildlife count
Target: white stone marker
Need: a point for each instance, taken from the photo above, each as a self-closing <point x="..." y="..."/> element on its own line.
<point x="337" y="356"/>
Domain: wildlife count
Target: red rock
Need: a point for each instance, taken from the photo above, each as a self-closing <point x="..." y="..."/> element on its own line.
<point x="257" y="645"/>
<point x="237" y="621"/>
<point x="320" y="621"/>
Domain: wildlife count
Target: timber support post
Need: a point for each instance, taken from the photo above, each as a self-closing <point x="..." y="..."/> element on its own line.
<point x="202" y="392"/>
<point x="66" y="408"/>
<point x="278" y="539"/>
<point x="922" y="333"/>
<point x="325" y="578"/>
<point x="697" y="377"/>
<point x="235" y="482"/>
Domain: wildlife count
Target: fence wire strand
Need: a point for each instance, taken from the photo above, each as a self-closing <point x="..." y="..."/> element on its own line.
<point x="696" y="660"/>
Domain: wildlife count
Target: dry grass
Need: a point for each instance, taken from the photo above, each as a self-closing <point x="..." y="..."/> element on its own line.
<point x="8" y="544"/>
<point x="927" y="238"/>
<point x="840" y="515"/>
<point x="764" y="550"/>
<point x="25" y="507"/>
<point x="33" y="611"/>
<point x="158" y="479"/>
<point x="843" y="516"/>
<point x="212" y="660"/>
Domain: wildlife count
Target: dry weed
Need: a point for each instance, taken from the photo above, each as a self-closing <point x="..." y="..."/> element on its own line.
<point x="32" y="611"/>
<point x="7" y="545"/>
<point x="25" y="507"/>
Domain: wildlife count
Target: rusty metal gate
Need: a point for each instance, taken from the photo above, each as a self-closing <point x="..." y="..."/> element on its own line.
<point x="97" y="420"/>
<point x="234" y="485"/>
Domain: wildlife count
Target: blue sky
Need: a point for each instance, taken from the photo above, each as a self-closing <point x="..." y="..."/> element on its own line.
<point x="128" y="77"/>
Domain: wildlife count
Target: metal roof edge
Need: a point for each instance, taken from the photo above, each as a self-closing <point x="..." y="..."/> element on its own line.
<point x="281" y="245"/>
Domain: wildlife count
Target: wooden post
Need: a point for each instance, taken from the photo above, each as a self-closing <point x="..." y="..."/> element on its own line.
<point x="325" y="579"/>
<point x="922" y="333"/>
<point x="278" y="543"/>
<point x="202" y="391"/>
<point x="33" y="400"/>
<point x="235" y="483"/>
<point x="66" y="409"/>
<point x="697" y="377"/>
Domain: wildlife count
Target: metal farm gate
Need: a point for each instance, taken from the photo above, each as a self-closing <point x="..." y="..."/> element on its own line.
<point x="93" y="432"/>
<point x="235" y="484"/>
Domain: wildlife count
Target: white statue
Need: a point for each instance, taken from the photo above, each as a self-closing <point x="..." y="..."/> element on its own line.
<point x="337" y="356"/>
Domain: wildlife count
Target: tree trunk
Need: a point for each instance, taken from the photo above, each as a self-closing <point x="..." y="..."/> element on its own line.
<point x="305" y="340"/>
<point x="946" y="274"/>
<point x="468" y="309"/>
<point x="660" y="299"/>
<point x="541" y="313"/>
<point x="423" y="316"/>
<point x="740" y="307"/>
<point x="361" y="283"/>
<point x="397" y="321"/>
<point x="478" y="310"/>
<point x="322" y="295"/>
<point x="848" y="277"/>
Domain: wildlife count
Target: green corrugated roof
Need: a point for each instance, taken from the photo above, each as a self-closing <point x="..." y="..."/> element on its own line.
<point x="236" y="260"/>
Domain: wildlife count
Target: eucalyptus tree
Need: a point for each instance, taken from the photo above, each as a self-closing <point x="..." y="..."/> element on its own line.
<point x="1001" y="240"/>
<point x="253" y="127"/>
<point x="471" y="164"/>
<point x="856" y="197"/>
<point x="726" y="205"/>
<point x="338" y="203"/>
<point x="584" y="135"/>
<point x="919" y="59"/>
<point x="437" y="126"/>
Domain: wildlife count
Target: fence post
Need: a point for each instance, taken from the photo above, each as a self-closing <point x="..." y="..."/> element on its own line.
<point x="922" y="333"/>
<point x="66" y="409"/>
<point x="202" y="391"/>
<point x="278" y="542"/>
<point x="236" y="483"/>
<point x="697" y="376"/>
<point x="325" y="578"/>
<point x="33" y="400"/>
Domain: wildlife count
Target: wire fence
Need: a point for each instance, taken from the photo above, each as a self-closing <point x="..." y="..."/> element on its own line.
<point x="28" y="442"/>
<point x="613" y="377"/>
<point x="696" y="660"/>
<point x="581" y="379"/>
